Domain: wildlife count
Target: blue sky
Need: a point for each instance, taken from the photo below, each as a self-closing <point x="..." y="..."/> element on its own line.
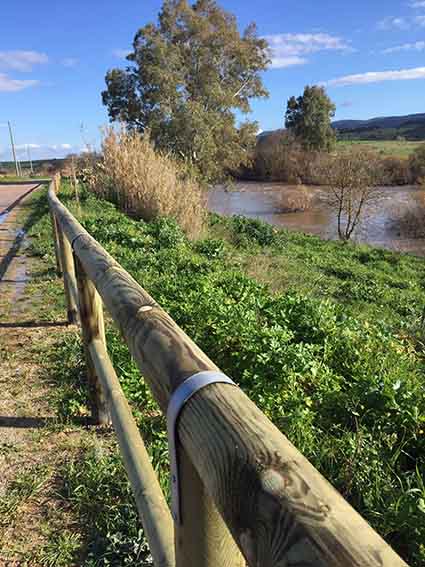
<point x="370" y="54"/>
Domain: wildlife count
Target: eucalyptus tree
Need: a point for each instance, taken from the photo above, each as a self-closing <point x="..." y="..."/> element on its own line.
<point x="186" y="77"/>
<point x="309" y="118"/>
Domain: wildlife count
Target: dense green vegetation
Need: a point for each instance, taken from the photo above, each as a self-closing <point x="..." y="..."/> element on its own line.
<point x="326" y="338"/>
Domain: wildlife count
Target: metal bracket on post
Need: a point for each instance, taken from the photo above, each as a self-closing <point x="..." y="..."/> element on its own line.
<point x="179" y="398"/>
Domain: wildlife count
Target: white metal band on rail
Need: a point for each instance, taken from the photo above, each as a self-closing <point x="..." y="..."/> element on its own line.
<point x="177" y="401"/>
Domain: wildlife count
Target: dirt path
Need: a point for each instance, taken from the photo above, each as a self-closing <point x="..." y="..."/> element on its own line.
<point x="19" y="397"/>
<point x="33" y="443"/>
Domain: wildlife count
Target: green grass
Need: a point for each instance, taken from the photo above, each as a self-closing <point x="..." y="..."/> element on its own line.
<point x="390" y="148"/>
<point x="13" y="178"/>
<point x="25" y="486"/>
<point x="327" y="338"/>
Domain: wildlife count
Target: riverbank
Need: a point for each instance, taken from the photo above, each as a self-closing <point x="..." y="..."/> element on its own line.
<point x="385" y="222"/>
<point x="324" y="337"/>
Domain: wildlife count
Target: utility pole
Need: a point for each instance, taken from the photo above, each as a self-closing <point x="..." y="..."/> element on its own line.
<point x="29" y="159"/>
<point x="13" y="148"/>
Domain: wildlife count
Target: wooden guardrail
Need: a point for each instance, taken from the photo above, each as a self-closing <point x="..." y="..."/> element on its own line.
<point x="246" y="495"/>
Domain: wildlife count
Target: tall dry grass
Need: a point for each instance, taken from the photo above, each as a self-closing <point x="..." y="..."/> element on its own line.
<point x="295" y="199"/>
<point x="146" y="183"/>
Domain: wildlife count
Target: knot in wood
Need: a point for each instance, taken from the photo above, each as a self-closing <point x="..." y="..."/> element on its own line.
<point x="144" y="309"/>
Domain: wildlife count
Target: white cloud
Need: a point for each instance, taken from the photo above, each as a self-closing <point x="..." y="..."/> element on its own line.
<point x="377" y="77"/>
<point x="289" y="49"/>
<point x="120" y="53"/>
<point x="58" y="147"/>
<point x="8" y="85"/>
<point x="282" y="62"/>
<point x="417" y="3"/>
<point x="417" y="46"/>
<point x="30" y="146"/>
<point x="69" y="62"/>
<point x="22" y="60"/>
<point x="392" y="22"/>
<point x="39" y="151"/>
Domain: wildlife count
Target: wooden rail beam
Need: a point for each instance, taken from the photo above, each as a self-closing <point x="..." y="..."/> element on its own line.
<point x="151" y="504"/>
<point x="277" y="506"/>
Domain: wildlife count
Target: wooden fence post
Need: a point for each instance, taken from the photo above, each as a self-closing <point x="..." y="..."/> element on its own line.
<point x="203" y="538"/>
<point x="56" y="243"/>
<point x="92" y="325"/>
<point x="68" y="269"/>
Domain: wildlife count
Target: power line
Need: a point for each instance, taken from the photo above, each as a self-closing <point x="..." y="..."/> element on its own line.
<point x="13" y="149"/>
<point x="29" y="159"/>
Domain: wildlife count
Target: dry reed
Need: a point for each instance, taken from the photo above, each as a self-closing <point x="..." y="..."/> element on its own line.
<point x="145" y="183"/>
<point x="295" y="199"/>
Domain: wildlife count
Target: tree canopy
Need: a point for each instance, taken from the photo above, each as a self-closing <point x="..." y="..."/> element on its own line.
<point x="186" y="77"/>
<point x="309" y="117"/>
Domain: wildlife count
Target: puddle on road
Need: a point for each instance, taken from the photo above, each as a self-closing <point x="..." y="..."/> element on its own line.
<point x="3" y="216"/>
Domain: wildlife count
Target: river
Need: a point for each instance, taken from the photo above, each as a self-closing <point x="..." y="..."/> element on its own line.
<point x="385" y="223"/>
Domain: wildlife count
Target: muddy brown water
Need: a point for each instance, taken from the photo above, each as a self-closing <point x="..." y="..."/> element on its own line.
<point x="380" y="226"/>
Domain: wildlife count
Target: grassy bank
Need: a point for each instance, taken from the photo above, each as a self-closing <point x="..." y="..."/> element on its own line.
<point x="391" y="148"/>
<point x="326" y="338"/>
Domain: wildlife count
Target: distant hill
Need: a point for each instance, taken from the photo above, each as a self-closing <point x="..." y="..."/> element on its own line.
<point x="410" y="127"/>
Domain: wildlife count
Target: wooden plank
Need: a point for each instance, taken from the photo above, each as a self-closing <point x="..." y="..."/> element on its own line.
<point x="151" y="504"/>
<point x="92" y="326"/>
<point x="277" y="506"/>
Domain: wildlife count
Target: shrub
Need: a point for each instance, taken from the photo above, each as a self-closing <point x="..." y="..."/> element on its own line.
<point x="279" y="157"/>
<point x="297" y="199"/>
<point x="251" y="230"/>
<point x="417" y="165"/>
<point x="395" y="171"/>
<point x="275" y="158"/>
<point x="411" y="223"/>
<point x="352" y="178"/>
<point x="145" y="183"/>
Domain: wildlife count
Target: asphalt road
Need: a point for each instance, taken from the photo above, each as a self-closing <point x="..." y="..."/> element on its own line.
<point x="11" y="195"/>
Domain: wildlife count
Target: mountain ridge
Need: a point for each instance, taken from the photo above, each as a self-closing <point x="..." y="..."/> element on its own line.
<point x="409" y="126"/>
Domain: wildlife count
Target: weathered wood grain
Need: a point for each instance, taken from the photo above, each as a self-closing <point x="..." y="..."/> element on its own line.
<point x="202" y="538"/>
<point x="279" y="509"/>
